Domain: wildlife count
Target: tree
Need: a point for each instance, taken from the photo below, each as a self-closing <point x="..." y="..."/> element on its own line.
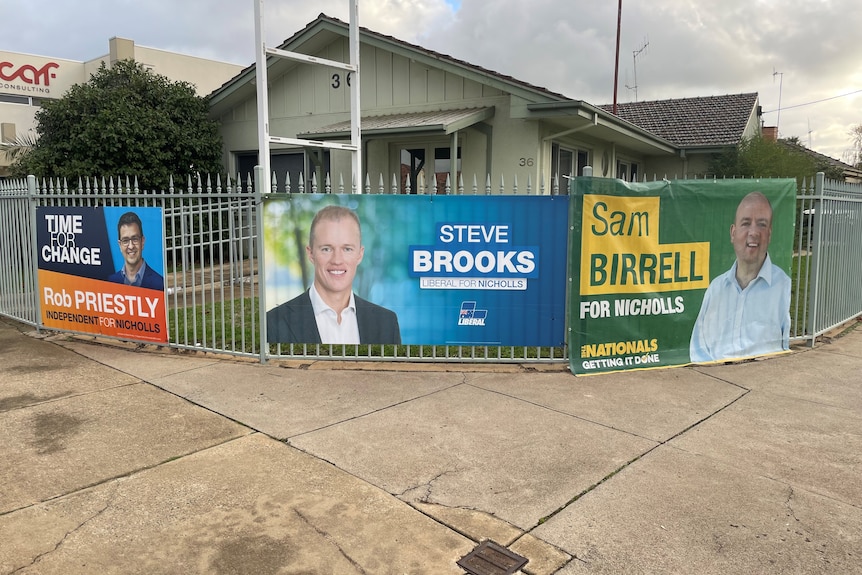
<point x="855" y="158"/>
<point x="125" y="121"/>
<point x="19" y="146"/>
<point x="760" y="157"/>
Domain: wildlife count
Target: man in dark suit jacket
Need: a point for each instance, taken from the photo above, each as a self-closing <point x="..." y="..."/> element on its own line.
<point x="294" y="322"/>
<point x="329" y="311"/>
<point x="135" y="271"/>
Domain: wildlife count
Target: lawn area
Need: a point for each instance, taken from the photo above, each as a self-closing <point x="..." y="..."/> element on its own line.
<point x="232" y="325"/>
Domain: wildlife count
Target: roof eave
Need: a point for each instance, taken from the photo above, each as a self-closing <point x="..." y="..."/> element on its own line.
<point x="223" y="97"/>
<point x="460" y="122"/>
<point x="598" y="117"/>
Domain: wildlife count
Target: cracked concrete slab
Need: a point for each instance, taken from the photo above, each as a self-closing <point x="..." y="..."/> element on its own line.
<point x="476" y="525"/>
<point x="252" y="505"/>
<point x="823" y="377"/>
<point x="678" y="512"/>
<point x="655" y="404"/>
<point x="287" y="402"/>
<point x="469" y="447"/>
<point x="813" y="446"/>
<point x="144" y="364"/>
<point x="544" y="559"/>
<point x="55" y="448"/>
<point x="278" y="401"/>
<point x="768" y="484"/>
<point x="36" y="371"/>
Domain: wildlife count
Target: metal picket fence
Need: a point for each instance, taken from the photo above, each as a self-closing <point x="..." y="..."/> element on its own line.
<point x="212" y="246"/>
<point x="828" y="274"/>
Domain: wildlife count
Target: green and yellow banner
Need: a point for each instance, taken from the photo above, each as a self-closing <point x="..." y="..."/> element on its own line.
<point x="644" y="256"/>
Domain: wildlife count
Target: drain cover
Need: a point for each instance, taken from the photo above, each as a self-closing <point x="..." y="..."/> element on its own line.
<point x="489" y="558"/>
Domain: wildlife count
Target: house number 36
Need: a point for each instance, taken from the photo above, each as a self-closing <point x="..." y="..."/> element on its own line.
<point x="336" y="80"/>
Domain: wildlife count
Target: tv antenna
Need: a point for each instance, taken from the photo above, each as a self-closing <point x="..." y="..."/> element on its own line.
<point x="780" y="85"/>
<point x="635" y="54"/>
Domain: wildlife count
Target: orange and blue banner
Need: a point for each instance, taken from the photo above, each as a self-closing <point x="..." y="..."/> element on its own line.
<point x="81" y="256"/>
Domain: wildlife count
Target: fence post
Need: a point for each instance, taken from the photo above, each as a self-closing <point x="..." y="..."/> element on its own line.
<point x="33" y="191"/>
<point x="817" y="246"/>
<point x="259" y="194"/>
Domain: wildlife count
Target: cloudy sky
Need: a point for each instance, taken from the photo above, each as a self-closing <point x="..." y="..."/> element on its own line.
<point x="803" y="54"/>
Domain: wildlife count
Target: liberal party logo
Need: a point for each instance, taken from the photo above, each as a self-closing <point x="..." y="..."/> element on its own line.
<point x="470" y="315"/>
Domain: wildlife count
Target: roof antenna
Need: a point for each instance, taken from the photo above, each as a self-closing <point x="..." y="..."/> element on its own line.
<point x="635" y="54"/>
<point x="780" y="85"/>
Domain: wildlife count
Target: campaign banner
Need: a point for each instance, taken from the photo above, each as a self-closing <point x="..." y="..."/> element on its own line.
<point x="447" y="270"/>
<point x="674" y="272"/>
<point x="101" y="271"/>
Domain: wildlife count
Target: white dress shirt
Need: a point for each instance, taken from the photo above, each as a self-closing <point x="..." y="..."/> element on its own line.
<point x="331" y="331"/>
<point x="735" y="323"/>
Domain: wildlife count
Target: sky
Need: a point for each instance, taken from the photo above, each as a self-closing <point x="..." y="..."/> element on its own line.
<point x="801" y="56"/>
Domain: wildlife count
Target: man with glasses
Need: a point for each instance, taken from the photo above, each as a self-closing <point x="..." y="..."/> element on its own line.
<point x="135" y="271"/>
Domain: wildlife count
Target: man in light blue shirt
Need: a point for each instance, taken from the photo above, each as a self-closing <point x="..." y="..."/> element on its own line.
<point x="746" y="310"/>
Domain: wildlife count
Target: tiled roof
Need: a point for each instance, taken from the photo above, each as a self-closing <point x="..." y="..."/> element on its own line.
<point x="689" y="122"/>
<point x="847" y="169"/>
<point x="816" y="155"/>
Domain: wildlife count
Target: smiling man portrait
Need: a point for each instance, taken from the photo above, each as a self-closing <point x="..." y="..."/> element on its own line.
<point x="329" y="311"/>
<point x="135" y="271"/>
<point x="746" y="310"/>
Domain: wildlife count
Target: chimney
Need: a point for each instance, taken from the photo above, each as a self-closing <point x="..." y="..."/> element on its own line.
<point x="770" y="133"/>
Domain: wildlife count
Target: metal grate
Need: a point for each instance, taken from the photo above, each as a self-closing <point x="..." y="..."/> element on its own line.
<point x="489" y="558"/>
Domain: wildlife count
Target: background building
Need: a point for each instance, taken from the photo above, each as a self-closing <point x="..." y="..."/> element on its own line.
<point x="26" y="80"/>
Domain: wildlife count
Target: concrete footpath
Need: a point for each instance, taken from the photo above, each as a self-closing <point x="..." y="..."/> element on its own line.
<point x="122" y="460"/>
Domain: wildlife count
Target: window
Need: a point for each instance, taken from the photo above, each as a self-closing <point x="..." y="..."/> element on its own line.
<point x="627" y="171"/>
<point x="566" y="163"/>
<point x="24" y="100"/>
<point x="413" y="163"/>
<point x="11" y="99"/>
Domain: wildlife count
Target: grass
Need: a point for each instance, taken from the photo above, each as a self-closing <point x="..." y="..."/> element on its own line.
<point x="232" y="325"/>
<point x="799" y="280"/>
<point x="229" y="325"/>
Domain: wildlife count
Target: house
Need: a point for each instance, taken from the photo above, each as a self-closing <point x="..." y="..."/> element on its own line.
<point x="425" y="112"/>
<point x="419" y="105"/>
<point x="698" y="127"/>
<point x="835" y="169"/>
<point x="26" y="81"/>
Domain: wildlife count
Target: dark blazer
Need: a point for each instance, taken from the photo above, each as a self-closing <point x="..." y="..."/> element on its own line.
<point x="293" y="322"/>
<point x="151" y="280"/>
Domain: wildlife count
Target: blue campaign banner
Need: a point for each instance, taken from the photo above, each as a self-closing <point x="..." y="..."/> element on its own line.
<point x="455" y="270"/>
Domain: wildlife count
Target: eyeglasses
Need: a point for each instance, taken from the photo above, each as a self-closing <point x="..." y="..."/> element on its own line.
<point x="136" y="240"/>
